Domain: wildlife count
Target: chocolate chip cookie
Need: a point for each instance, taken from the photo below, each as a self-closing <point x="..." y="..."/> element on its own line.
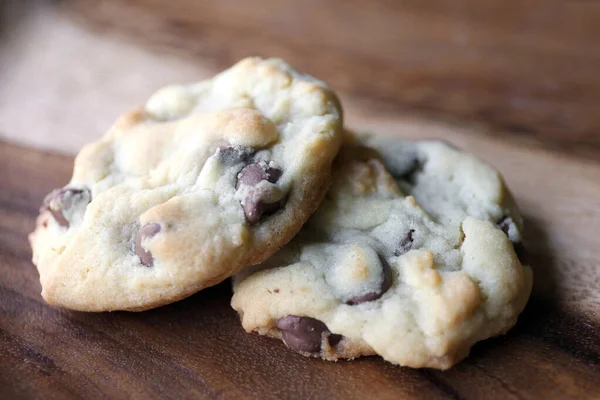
<point x="201" y="181"/>
<point x="410" y="257"/>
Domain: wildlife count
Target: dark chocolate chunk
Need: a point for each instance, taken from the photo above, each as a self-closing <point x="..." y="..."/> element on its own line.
<point x="400" y="158"/>
<point x="405" y="244"/>
<point x="231" y="154"/>
<point x="254" y="205"/>
<point x="254" y="208"/>
<point x="273" y="174"/>
<point x="304" y="333"/>
<point x="334" y="339"/>
<point x="364" y="298"/>
<point x="147" y="231"/>
<point x="505" y="224"/>
<point x="385" y="285"/>
<point x="407" y="167"/>
<point x="253" y="174"/>
<point x="60" y="200"/>
<point x="412" y="175"/>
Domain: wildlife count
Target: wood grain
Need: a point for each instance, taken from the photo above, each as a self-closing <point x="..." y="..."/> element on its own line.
<point x="197" y="349"/>
<point x="529" y="68"/>
<point x="515" y="83"/>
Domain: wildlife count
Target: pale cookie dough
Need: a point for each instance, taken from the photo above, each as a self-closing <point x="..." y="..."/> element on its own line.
<point x="203" y="180"/>
<point x="414" y="267"/>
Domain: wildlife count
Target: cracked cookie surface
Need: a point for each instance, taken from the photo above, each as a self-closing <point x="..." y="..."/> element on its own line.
<point x="180" y="194"/>
<point x="408" y="257"/>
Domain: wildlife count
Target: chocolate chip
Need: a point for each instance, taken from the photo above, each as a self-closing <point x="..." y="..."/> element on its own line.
<point x="253" y="174"/>
<point x="364" y="298"/>
<point x="305" y="333"/>
<point x="385" y="285"/>
<point x="407" y="167"/>
<point x="405" y="244"/>
<point x="53" y="203"/>
<point x="334" y="339"/>
<point x="411" y="176"/>
<point x="147" y="231"/>
<point x="60" y="200"/>
<point x="254" y="205"/>
<point x="254" y="208"/>
<point x="231" y="154"/>
<point x="400" y="158"/>
<point x="505" y="224"/>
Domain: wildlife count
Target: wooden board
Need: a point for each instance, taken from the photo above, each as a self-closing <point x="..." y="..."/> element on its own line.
<point x="196" y="348"/>
<point x="520" y="85"/>
<point x="529" y="68"/>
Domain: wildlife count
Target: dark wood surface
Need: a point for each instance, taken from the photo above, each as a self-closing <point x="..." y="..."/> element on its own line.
<point x="197" y="349"/>
<point x="528" y="67"/>
<point x="517" y="84"/>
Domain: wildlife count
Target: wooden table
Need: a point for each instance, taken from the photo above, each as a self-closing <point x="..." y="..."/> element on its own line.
<point x="517" y="84"/>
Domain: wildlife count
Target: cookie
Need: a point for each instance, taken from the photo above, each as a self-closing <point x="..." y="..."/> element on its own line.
<point x="408" y="257"/>
<point x="182" y="193"/>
